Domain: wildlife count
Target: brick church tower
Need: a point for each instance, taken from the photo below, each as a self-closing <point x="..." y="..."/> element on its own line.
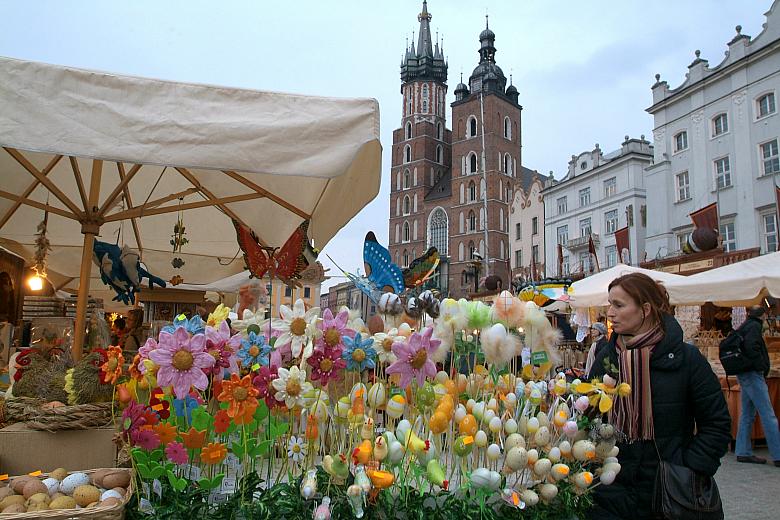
<point x="437" y="175"/>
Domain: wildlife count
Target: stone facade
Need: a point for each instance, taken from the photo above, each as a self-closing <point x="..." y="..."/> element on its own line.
<point x="526" y="227"/>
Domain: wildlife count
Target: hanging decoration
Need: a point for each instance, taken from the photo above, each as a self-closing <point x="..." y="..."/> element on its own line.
<point x="121" y="269"/>
<point x="178" y="240"/>
<point x="42" y="248"/>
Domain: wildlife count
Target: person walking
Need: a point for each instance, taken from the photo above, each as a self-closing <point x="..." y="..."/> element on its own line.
<point x="754" y="393"/>
<point x="598" y="340"/>
<point x="676" y="410"/>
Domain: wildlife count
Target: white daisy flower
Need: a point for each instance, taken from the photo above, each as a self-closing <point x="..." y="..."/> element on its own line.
<point x="291" y="386"/>
<point x="383" y="343"/>
<point x="297" y="326"/>
<point x="251" y="318"/>
<point x="296" y="449"/>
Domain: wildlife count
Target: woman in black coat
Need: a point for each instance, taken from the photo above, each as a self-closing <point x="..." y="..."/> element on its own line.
<point x="676" y="403"/>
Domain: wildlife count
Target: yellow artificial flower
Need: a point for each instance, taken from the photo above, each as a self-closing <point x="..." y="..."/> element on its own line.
<point x="219" y="315"/>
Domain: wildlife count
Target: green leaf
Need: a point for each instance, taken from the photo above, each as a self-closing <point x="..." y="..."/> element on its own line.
<point x="261" y="448"/>
<point x="143" y="470"/>
<point x="238" y="449"/>
<point x="177" y="483"/>
<point x="201" y="419"/>
<point x="140" y="456"/>
<point x="156" y="470"/>
<point x="156" y="455"/>
<point x="261" y="412"/>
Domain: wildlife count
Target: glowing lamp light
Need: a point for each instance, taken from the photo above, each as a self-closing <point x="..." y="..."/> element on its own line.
<point x="35" y="282"/>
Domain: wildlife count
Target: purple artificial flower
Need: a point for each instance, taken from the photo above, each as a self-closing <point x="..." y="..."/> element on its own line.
<point x="223" y="348"/>
<point x="415" y="358"/>
<point x="182" y="360"/>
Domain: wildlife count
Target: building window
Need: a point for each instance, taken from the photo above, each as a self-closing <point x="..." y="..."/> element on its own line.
<point x="472" y="221"/>
<point x="766" y="105"/>
<point x="535" y="225"/>
<point x="472" y="163"/>
<point x="439" y="154"/>
<point x="407" y="153"/>
<point x="720" y="124"/>
<point x="407" y="180"/>
<point x="583" y="165"/>
<point x="508" y="164"/>
<point x="563" y="234"/>
<point x="584" y="197"/>
<point x="611" y="253"/>
<point x="406" y="258"/>
<point x="769" y="222"/>
<point x="407" y="235"/>
<point x="287" y="291"/>
<point x="437" y="232"/>
<point x="681" y="141"/>
<point x="535" y="253"/>
<point x="410" y="103"/>
<point x="472" y="127"/>
<point x="585" y="262"/>
<point x="307" y="292"/>
<point x="770" y="157"/>
<point x="519" y="258"/>
<point x="561" y="203"/>
<point x="425" y="98"/>
<point x="472" y="249"/>
<point x="585" y="229"/>
<point x="610" y="221"/>
<point x="722" y="173"/>
<point x="407" y="205"/>
<point x="507" y="128"/>
<point x="439" y="132"/>
<point x="610" y="187"/>
<point x="682" y="240"/>
<point x="408" y="130"/>
<point x="518" y="231"/>
<point x="472" y="191"/>
<point x="729" y="237"/>
<point x="683" y="186"/>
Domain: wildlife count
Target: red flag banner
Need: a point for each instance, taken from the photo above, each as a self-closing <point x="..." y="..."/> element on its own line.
<point x="594" y="258"/>
<point x="623" y="243"/>
<point x="706" y="217"/>
<point x="560" y="260"/>
<point x="533" y="268"/>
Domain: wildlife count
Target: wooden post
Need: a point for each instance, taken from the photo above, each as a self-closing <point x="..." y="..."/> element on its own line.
<point x="89" y="227"/>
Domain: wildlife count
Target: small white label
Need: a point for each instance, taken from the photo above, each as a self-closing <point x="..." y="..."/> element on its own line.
<point x="146" y="489"/>
<point x="228" y="485"/>
<point x="146" y="507"/>
<point x="190" y="472"/>
<point x="157" y="488"/>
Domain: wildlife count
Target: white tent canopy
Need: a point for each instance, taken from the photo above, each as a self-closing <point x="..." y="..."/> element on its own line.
<point x="593" y="290"/>
<point x="119" y="157"/>
<point x="741" y="283"/>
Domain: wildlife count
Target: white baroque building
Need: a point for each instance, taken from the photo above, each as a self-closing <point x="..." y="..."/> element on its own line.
<point x="716" y="140"/>
<point x="526" y="225"/>
<point x="600" y="194"/>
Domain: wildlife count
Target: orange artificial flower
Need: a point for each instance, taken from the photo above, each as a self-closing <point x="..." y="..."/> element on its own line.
<point x="214" y="453"/>
<point x="240" y="394"/>
<point x="167" y="432"/>
<point x="194" y="439"/>
<point x="112" y="368"/>
<point x="245" y="418"/>
<point x="221" y="422"/>
<point x="134" y="372"/>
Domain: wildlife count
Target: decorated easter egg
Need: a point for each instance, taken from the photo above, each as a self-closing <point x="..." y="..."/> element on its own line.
<point x="483" y="478"/>
<point x="468" y="425"/>
<point x="554" y="455"/>
<point x="584" y="450"/>
<point x="377" y="396"/>
<point x="510" y="426"/>
<point x="516" y="458"/>
<point x="607" y="477"/>
<point x="542" y="436"/>
<point x="533" y="425"/>
<point x="583" y="479"/>
<point x="72" y="481"/>
<point x="480" y="439"/>
<point x="493" y="452"/>
<point x="565" y="447"/>
<point x="495" y="425"/>
<point x="463" y="445"/>
<point x="530" y="497"/>
<point x="542" y="467"/>
<point x="396" y="406"/>
<point x="570" y="429"/>
<point x="514" y="439"/>
<point x="559" y="471"/>
<point x="548" y="491"/>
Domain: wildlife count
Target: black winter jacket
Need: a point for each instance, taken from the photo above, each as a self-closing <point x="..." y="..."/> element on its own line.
<point x="691" y="421"/>
<point x="754" y="346"/>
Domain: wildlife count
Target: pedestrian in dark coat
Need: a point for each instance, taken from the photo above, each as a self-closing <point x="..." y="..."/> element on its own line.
<point x="676" y="402"/>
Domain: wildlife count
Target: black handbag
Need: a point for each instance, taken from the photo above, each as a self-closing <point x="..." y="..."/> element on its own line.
<point x="682" y="494"/>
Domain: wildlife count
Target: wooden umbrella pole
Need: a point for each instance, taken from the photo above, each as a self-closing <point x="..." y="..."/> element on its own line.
<point x="89" y="227"/>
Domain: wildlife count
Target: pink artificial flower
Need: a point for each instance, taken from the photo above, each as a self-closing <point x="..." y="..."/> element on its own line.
<point x="181" y="360"/>
<point x="414" y="358"/>
<point x="144" y="352"/>
<point x="146" y="439"/>
<point x="333" y="329"/>
<point x="176" y="453"/>
<point x="262" y="381"/>
<point x="326" y="364"/>
<point x="223" y="348"/>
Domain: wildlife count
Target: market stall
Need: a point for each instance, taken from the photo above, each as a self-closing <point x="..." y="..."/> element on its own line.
<point x="592" y="291"/>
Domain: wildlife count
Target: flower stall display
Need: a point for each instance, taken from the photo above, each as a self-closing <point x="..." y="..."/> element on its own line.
<point x="430" y="414"/>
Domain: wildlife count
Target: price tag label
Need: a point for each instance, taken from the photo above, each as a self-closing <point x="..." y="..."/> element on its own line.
<point x="539" y="357"/>
<point x="36" y="473"/>
<point x="146" y="507"/>
<point x="468" y="440"/>
<point x="228" y="485"/>
<point x="157" y="488"/>
<point x="256" y="367"/>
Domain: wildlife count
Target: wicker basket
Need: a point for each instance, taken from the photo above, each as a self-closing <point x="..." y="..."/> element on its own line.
<point x="115" y="512"/>
<point x="77" y="417"/>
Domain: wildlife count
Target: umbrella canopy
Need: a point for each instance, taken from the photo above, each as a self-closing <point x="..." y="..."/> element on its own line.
<point x="122" y="158"/>
<point x="741" y="283"/>
<point x="594" y="290"/>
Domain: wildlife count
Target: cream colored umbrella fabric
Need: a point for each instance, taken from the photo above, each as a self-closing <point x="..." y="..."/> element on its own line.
<point x="120" y="157"/>
<point x="593" y="290"/>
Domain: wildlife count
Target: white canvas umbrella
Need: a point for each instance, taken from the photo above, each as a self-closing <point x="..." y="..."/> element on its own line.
<point x="120" y="158"/>
<point x="737" y="284"/>
<point x="593" y="291"/>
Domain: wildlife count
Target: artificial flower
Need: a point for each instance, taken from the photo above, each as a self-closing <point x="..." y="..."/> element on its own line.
<point x="222" y="347"/>
<point x="258" y="319"/>
<point x="326" y="364"/>
<point x="414" y="358"/>
<point x="181" y="360"/>
<point x="383" y="342"/>
<point x="159" y="404"/>
<point x="297" y="326"/>
<point x="194" y="439"/>
<point x="359" y="354"/>
<point x="176" y="453"/>
<point x="146" y="439"/>
<point x="143" y="355"/>
<point x="133" y="418"/>
<point x="112" y="368"/>
<point x="192" y="326"/>
<point x="166" y="432"/>
<point x="296" y="449"/>
<point x="221" y="422"/>
<point x="184" y="407"/>
<point x="218" y="316"/>
<point x="214" y="453"/>
<point x="240" y="395"/>
<point x="263" y="382"/>
<point x="254" y="351"/>
<point x="290" y="386"/>
<point x="333" y="329"/>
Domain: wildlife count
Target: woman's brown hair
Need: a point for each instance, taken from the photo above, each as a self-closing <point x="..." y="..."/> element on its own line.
<point x="643" y="289"/>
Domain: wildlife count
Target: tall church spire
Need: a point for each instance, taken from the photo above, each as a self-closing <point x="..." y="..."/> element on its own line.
<point x="421" y="61"/>
<point x="424" y="44"/>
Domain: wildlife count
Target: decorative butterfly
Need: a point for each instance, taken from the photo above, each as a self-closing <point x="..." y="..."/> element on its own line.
<point x="421" y="268"/>
<point x="380" y="269"/>
<point x="287" y="264"/>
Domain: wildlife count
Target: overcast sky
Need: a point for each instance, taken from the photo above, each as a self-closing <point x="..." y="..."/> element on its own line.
<point x="583" y="69"/>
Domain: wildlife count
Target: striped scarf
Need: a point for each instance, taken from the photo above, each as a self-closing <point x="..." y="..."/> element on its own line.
<point x="633" y="415"/>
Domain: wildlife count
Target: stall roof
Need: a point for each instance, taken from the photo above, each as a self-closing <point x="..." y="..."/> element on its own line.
<point x="593" y="290"/>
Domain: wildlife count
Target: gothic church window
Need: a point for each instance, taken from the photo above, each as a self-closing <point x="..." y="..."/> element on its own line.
<point x="440" y="132"/>
<point x="408" y="130"/>
<point x="472" y="221"/>
<point x="425" y="98"/>
<point x="407" y="153"/>
<point x="407" y="233"/>
<point x="407" y="205"/>
<point x="407" y="180"/>
<point x="472" y="162"/>
<point x="437" y="231"/>
<point x="507" y="128"/>
<point x="439" y="154"/>
<point x="472" y="131"/>
<point x="472" y="191"/>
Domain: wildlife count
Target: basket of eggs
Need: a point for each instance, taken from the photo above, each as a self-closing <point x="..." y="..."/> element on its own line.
<point x="95" y="494"/>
